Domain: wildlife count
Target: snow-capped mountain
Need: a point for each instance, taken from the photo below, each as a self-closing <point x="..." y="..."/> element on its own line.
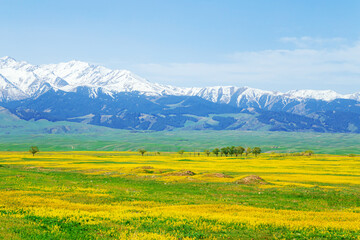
<point x="227" y="94"/>
<point x="21" y="80"/>
<point x="81" y="92"/>
<point x="33" y="80"/>
<point x="28" y="80"/>
<point x="81" y="74"/>
<point x="8" y="91"/>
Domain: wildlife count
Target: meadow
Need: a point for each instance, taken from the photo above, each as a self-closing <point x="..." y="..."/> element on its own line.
<point x="123" y="195"/>
<point x="19" y="138"/>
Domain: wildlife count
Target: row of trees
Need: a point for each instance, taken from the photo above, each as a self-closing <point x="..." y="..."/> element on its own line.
<point x="216" y="151"/>
<point x="225" y="151"/>
<point x="143" y="151"/>
<point x="239" y="150"/>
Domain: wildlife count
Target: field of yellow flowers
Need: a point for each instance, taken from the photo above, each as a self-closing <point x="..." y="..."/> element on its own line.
<point x="123" y="195"/>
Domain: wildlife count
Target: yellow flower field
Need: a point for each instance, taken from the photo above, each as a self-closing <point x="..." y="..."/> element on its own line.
<point x="122" y="195"/>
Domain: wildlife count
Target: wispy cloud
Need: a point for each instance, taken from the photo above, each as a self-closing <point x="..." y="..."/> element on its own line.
<point x="337" y="68"/>
<point x="311" y="42"/>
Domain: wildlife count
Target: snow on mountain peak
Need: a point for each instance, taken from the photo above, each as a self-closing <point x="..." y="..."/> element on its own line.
<point x="78" y="73"/>
<point x="9" y="91"/>
<point x="7" y="59"/>
<point x="28" y="80"/>
<point x="7" y="62"/>
<point x="325" y="95"/>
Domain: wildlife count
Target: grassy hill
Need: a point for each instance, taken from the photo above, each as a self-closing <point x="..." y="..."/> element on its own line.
<point x="18" y="135"/>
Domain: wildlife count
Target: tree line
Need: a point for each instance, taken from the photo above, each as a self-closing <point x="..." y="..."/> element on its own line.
<point x="239" y="150"/>
<point x="225" y="151"/>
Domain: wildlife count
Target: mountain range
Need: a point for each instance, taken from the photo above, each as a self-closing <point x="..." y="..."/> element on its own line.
<point x="81" y="92"/>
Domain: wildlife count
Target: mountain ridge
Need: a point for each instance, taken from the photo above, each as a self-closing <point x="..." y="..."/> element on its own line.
<point x="33" y="80"/>
<point x="81" y="92"/>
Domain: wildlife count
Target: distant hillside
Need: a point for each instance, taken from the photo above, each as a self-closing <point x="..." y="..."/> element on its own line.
<point x="12" y="125"/>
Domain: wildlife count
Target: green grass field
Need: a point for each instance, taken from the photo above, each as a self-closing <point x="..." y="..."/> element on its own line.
<point x="169" y="141"/>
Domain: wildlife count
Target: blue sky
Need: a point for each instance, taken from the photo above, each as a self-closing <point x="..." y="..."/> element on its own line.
<point x="273" y="45"/>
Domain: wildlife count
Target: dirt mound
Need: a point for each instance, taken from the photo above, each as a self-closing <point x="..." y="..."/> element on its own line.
<point x="181" y="173"/>
<point x="252" y="179"/>
<point x="217" y="175"/>
<point x="145" y="167"/>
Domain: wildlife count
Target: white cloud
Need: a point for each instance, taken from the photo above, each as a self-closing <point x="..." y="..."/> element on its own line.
<point x="337" y="69"/>
<point x="311" y="42"/>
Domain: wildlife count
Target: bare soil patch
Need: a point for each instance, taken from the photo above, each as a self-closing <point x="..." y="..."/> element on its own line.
<point x="217" y="175"/>
<point x="251" y="180"/>
<point x="181" y="173"/>
<point x="145" y="167"/>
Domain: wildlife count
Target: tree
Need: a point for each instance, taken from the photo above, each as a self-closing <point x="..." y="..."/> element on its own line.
<point x="158" y="153"/>
<point x="232" y="150"/>
<point x="256" y="151"/>
<point x="308" y="152"/>
<point x="248" y="150"/>
<point x="142" y="151"/>
<point x="207" y="152"/>
<point x="225" y="151"/>
<point x="239" y="150"/>
<point x="33" y="150"/>
<point x="181" y="152"/>
<point x="216" y="151"/>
